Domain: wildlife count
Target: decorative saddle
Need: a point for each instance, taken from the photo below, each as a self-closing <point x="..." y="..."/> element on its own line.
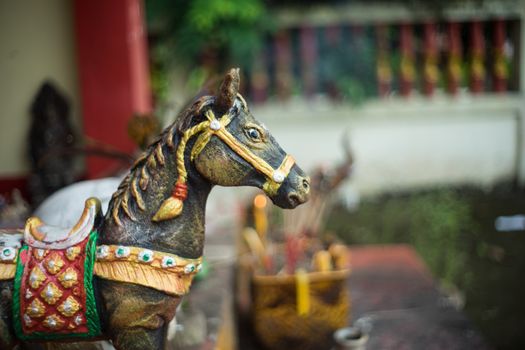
<point x="53" y="271"/>
<point x="54" y="296"/>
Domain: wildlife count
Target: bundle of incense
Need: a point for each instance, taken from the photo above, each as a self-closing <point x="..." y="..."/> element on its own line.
<point x="293" y="250"/>
<point x="257" y="248"/>
<point x="308" y="218"/>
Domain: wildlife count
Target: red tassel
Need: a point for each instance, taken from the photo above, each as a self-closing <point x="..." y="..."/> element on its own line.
<point x="180" y="191"/>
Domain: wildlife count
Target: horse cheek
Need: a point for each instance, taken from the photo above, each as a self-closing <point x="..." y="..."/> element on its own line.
<point x="219" y="168"/>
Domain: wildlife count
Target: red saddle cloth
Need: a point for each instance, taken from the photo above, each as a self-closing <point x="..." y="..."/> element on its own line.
<point x="55" y="292"/>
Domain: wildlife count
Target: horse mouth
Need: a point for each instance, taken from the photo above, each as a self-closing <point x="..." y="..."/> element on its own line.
<point x="290" y="200"/>
<point x="295" y="199"/>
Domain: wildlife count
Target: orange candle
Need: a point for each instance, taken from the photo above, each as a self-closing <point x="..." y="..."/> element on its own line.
<point x="259" y="216"/>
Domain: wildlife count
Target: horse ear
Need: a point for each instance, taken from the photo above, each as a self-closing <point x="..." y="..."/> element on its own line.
<point x="228" y="91"/>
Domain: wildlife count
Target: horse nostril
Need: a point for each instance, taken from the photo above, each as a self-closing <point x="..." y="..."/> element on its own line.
<point x="306" y="184"/>
<point x="294" y="199"/>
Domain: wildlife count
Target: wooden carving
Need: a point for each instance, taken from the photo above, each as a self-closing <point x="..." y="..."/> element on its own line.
<point x="121" y="276"/>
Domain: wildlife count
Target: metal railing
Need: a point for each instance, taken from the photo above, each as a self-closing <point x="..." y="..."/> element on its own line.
<point x="389" y="51"/>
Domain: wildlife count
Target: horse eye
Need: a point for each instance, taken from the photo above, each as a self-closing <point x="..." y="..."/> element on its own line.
<point x="254" y="134"/>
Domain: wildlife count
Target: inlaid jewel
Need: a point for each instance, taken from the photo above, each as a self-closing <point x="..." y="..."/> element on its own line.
<point x="7" y="254"/>
<point x="167" y="261"/>
<point x="122" y="252"/>
<point x="27" y="320"/>
<point x="145" y="255"/>
<point x="78" y="320"/>
<point x="278" y="176"/>
<point x="215" y="125"/>
<point x="189" y="268"/>
<point x="102" y="251"/>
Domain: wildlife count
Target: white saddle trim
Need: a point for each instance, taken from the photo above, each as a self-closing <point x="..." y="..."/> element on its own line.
<point x="39" y="235"/>
<point x="11" y="238"/>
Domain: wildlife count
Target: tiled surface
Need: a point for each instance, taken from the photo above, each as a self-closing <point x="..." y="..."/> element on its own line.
<point x="392" y="288"/>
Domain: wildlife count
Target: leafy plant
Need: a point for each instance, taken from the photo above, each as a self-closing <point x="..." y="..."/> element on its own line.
<point x="210" y="33"/>
<point x="453" y="231"/>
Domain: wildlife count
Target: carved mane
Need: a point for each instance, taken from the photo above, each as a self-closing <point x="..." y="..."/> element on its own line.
<point x="138" y="178"/>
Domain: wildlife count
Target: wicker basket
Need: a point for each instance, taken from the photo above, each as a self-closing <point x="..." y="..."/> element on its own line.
<point x="276" y="321"/>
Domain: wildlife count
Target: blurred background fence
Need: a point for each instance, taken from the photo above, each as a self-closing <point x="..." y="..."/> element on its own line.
<point x="429" y="93"/>
<point x="365" y="56"/>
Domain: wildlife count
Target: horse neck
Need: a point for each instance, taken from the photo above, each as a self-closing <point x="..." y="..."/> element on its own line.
<point x="149" y="183"/>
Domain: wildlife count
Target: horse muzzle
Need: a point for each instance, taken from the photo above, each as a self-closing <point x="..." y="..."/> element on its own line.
<point x="295" y="190"/>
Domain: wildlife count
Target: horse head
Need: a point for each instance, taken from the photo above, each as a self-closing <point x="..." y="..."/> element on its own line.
<point x="255" y="158"/>
<point x="229" y="147"/>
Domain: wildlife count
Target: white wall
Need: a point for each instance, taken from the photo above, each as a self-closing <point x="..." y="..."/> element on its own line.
<point x="36" y="43"/>
<point x="399" y="144"/>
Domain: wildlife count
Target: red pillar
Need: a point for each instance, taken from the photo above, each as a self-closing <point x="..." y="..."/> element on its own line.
<point x="283" y="65"/>
<point x="113" y="72"/>
<point x="259" y="78"/>
<point x="477" y="51"/>
<point x="383" y="69"/>
<point x="500" y="71"/>
<point x="308" y="42"/>
<point x="454" y="52"/>
<point x="333" y="37"/>
<point x="407" y="69"/>
<point x="430" y="52"/>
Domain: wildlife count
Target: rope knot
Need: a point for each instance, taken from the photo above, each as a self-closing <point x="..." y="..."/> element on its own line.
<point x="180" y="191"/>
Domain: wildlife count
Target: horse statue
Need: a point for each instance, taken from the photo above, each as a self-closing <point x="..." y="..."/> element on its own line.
<point x="121" y="276"/>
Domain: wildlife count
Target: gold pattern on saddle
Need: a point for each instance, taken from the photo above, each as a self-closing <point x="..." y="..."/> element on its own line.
<point x="36" y="309"/>
<point x="39" y="254"/>
<point x="36" y="277"/>
<point x="54" y="263"/>
<point x="53" y="296"/>
<point x="53" y="322"/>
<point x="72" y="252"/>
<point x="68" y="278"/>
<point x="69" y="307"/>
<point x="52" y="292"/>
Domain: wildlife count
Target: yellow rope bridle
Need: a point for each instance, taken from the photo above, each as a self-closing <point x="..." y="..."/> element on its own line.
<point x="172" y="206"/>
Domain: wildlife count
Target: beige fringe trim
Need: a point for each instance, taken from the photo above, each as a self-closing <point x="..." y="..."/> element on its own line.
<point x="170" y="282"/>
<point x="7" y="271"/>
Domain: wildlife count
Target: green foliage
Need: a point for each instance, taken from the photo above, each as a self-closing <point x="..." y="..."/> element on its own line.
<point x="184" y="30"/>
<point x="351" y="67"/>
<point x="202" y="33"/>
<point x="453" y="231"/>
<point x="436" y="223"/>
